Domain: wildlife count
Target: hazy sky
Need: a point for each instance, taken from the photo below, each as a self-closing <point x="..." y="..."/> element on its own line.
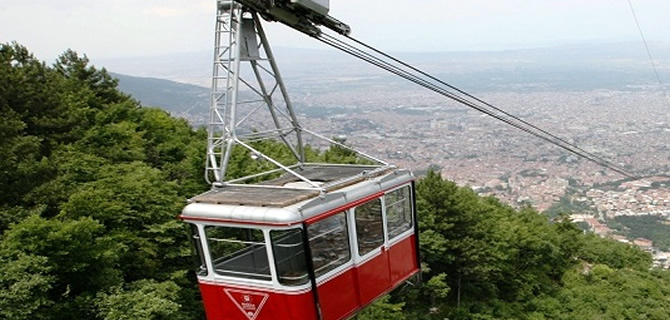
<point x="127" y="28"/>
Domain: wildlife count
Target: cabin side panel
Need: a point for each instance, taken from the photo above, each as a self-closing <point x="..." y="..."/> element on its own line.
<point x="403" y="260"/>
<point x="373" y="277"/>
<point x="230" y="303"/>
<point x="338" y="297"/>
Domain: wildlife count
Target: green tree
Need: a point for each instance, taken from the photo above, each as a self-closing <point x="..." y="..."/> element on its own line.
<point x="601" y="292"/>
<point x="453" y="236"/>
<point x="80" y="74"/>
<point x="339" y="154"/>
<point x="613" y="254"/>
<point x="141" y="300"/>
<point x="24" y="286"/>
<point x="90" y="187"/>
<point x="382" y="309"/>
<point x="137" y="207"/>
<point x="76" y="256"/>
<point x="487" y="259"/>
<point x="27" y="94"/>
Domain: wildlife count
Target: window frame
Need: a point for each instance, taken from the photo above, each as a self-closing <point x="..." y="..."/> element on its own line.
<point x="300" y="233"/>
<point x="198" y="250"/>
<point x="355" y="224"/>
<point x="346" y="263"/>
<point x="264" y="232"/>
<point x="410" y="229"/>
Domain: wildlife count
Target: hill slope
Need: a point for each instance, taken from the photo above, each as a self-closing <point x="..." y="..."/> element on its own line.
<point x="179" y="99"/>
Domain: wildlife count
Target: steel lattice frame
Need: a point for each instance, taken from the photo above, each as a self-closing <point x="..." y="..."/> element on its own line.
<point x="249" y="101"/>
<point x="244" y="64"/>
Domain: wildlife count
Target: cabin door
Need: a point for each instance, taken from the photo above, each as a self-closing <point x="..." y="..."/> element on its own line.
<point x="333" y="266"/>
<point x="373" y="275"/>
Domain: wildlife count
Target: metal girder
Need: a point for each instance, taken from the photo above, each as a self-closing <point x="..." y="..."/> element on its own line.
<point x="248" y="99"/>
<point x="249" y="102"/>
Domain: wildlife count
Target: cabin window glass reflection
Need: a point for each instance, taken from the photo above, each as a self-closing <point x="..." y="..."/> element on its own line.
<point x="369" y="226"/>
<point x="398" y="211"/>
<point x="196" y="246"/>
<point x="238" y="252"/>
<point x="329" y="243"/>
<point x="289" y="253"/>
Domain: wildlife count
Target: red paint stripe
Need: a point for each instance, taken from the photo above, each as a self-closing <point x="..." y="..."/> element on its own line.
<point x="399" y="185"/>
<point x="355" y="203"/>
<point x="273" y="290"/>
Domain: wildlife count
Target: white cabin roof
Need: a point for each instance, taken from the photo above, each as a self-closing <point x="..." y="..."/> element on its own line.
<point x="269" y="203"/>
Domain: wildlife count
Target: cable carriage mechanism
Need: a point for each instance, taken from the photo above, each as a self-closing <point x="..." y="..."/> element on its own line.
<point x="301" y="241"/>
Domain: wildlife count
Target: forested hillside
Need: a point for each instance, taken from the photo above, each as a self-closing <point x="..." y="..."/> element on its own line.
<point x="92" y="183"/>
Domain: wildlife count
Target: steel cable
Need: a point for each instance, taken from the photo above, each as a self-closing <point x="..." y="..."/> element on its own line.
<point x="423" y="79"/>
<point x="651" y="58"/>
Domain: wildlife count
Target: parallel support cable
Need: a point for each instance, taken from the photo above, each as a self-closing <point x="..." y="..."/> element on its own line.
<point x="408" y="72"/>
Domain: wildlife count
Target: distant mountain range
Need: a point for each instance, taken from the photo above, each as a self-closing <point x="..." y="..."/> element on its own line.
<point x="177" y="98"/>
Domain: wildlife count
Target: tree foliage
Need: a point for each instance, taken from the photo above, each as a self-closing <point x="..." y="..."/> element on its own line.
<point x="25" y="282"/>
<point x="383" y="309"/>
<point x="650" y="227"/>
<point x="90" y="187"/>
<point x="142" y="300"/>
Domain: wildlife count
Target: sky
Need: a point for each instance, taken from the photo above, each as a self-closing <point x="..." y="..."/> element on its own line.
<point x="108" y="29"/>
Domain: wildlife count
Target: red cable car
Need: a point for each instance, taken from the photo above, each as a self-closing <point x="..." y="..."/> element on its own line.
<point x="309" y="241"/>
<point x="270" y="251"/>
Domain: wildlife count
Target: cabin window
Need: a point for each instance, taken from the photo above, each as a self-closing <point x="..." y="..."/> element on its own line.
<point x="197" y="250"/>
<point x="398" y="211"/>
<point x="289" y="254"/>
<point x="238" y="252"/>
<point x="369" y="226"/>
<point x="329" y="242"/>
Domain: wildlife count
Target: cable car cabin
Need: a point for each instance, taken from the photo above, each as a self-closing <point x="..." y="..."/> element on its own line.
<point x="274" y="251"/>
